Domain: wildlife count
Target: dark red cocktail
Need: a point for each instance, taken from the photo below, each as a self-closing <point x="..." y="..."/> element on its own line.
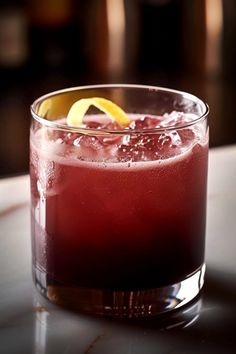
<point x="119" y="212"/>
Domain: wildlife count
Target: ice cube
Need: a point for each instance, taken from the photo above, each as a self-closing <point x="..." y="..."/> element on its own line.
<point x="90" y="142"/>
<point x="145" y="123"/>
<point x="173" y="119"/>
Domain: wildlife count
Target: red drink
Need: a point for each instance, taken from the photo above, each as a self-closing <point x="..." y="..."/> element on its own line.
<point x="118" y="213"/>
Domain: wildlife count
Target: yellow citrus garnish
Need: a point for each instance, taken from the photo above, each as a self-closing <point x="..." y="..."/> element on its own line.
<point x="44" y="108"/>
<point x="79" y="108"/>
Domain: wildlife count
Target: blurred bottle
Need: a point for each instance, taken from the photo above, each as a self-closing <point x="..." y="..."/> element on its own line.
<point x="229" y="41"/>
<point x="94" y="39"/>
<point x="49" y="24"/>
<point x="55" y="37"/>
<point x="14" y="48"/>
<point x="160" y="42"/>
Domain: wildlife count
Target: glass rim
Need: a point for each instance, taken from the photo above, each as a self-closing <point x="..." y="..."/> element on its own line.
<point x="102" y="131"/>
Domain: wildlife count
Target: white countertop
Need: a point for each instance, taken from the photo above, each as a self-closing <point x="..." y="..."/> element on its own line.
<point x="28" y="324"/>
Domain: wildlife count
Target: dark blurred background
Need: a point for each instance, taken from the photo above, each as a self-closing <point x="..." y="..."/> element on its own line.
<point x="47" y="45"/>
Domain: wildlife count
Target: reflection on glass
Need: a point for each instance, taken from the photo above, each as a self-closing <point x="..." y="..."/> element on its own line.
<point x="60" y="331"/>
<point x="41" y="318"/>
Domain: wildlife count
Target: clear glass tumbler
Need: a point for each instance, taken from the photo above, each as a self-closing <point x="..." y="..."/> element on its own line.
<point x="118" y="214"/>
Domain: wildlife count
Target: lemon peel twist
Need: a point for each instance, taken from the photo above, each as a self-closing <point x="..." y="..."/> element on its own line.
<point x="80" y="107"/>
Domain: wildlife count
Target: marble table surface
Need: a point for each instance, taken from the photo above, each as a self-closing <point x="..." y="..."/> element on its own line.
<point x="29" y="324"/>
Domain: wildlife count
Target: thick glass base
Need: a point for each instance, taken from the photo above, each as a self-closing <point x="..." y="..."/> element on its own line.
<point x="129" y="304"/>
